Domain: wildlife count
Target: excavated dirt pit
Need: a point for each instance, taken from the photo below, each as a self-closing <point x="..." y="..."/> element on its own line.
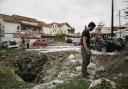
<point x="34" y="67"/>
<point x="31" y="66"/>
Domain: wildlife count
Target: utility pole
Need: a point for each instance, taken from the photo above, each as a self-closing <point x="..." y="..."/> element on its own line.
<point x="120" y="23"/>
<point x="112" y="19"/>
<point x="0" y="32"/>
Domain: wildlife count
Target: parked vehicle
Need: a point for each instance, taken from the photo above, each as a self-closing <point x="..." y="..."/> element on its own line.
<point x="8" y="44"/>
<point x="40" y="42"/>
<point x="69" y="40"/>
<point x="75" y="43"/>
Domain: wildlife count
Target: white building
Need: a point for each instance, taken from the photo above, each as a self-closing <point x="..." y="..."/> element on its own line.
<point x="62" y="28"/>
<point x="106" y="32"/>
<point x="117" y="31"/>
<point x="14" y="27"/>
<point x="9" y="27"/>
<point x="47" y="32"/>
<point x="122" y="31"/>
<point x="29" y="28"/>
<point x="46" y="29"/>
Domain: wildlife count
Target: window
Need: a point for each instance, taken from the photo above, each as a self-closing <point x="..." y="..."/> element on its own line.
<point x="34" y="29"/>
<point x="23" y="28"/>
<point x="18" y="28"/>
<point x="3" y="27"/>
<point x="54" y="26"/>
<point x="16" y="35"/>
<point x="121" y="27"/>
<point x="0" y="26"/>
<point x="1" y="30"/>
<point x="42" y="30"/>
<point x="65" y="31"/>
<point x="1" y="33"/>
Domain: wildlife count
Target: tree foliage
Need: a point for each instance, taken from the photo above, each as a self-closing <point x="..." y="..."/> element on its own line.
<point x="59" y="37"/>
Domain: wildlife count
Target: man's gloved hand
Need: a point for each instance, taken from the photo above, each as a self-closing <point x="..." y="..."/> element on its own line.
<point x="88" y="51"/>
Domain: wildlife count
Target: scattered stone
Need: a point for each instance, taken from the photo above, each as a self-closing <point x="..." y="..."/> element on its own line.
<point x="55" y="82"/>
<point x="106" y="83"/>
<point x="78" y="68"/>
<point x="71" y="56"/>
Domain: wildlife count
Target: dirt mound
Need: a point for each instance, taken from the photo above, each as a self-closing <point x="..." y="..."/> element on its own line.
<point x="115" y="63"/>
<point x="115" y="68"/>
<point x="119" y="64"/>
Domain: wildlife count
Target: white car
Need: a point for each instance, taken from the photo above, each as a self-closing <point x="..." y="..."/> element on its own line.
<point x="75" y="43"/>
<point x="9" y="44"/>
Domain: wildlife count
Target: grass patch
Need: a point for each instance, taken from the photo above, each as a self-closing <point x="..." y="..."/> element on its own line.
<point x="76" y="83"/>
<point x="8" y="80"/>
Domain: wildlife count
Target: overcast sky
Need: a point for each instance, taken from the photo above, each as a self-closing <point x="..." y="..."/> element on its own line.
<point x="76" y="12"/>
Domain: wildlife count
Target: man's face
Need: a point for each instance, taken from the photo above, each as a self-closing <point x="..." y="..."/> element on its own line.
<point x="92" y="28"/>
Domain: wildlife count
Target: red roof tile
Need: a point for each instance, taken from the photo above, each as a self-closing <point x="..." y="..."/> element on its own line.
<point x="24" y="18"/>
<point x="8" y="18"/>
<point x="43" y="24"/>
<point x="19" y="19"/>
<point x="61" y="24"/>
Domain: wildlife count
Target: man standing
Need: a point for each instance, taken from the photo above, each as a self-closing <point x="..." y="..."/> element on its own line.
<point x="85" y="48"/>
<point x="27" y="43"/>
<point x="23" y="42"/>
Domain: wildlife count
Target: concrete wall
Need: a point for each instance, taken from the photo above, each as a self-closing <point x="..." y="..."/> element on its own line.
<point x="9" y="30"/>
<point x="106" y="30"/>
<point x="8" y="37"/>
<point x="47" y="30"/>
<point x="1" y="28"/>
<point x="65" y="28"/>
<point x="60" y="30"/>
<point x="10" y="27"/>
<point x="56" y="29"/>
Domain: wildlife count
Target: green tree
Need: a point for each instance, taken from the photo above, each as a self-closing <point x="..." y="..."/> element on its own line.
<point x="78" y="34"/>
<point x="60" y="37"/>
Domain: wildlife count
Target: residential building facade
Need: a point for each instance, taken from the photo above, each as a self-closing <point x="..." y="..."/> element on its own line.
<point x="62" y="28"/>
<point x="13" y="27"/>
<point x="122" y="31"/>
<point x="10" y="28"/>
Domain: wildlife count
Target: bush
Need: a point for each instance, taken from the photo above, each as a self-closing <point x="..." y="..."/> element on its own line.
<point x="59" y="37"/>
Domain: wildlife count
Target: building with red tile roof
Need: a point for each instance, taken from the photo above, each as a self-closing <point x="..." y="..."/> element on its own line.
<point x="16" y="26"/>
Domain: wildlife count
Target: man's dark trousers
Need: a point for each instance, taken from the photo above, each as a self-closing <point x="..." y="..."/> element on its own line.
<point x="85" y="61"/>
